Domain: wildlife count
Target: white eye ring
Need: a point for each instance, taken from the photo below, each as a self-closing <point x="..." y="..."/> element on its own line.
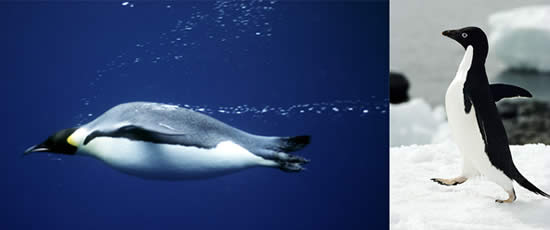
<point x="464" y="35"/>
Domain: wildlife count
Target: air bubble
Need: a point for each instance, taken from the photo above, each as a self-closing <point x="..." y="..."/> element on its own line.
<point x="351" y="107"/>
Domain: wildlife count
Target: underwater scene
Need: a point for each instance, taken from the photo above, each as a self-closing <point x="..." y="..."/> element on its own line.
<point x="269" y="68"/>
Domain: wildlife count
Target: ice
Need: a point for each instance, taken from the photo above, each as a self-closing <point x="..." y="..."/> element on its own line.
<point x="416" y="202"/>
<point x="414" y="122"/>
<point x="520" y="37"/>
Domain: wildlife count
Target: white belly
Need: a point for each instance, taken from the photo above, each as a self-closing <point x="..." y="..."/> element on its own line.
<point x="464" y="127"/>
<point x="171" y="162"/>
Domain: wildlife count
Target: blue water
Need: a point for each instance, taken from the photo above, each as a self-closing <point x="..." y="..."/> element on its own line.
<point x="270" y="68"/>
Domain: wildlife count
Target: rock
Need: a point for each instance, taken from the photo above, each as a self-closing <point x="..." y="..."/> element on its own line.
<point x="526" y="121"/>
<point x="399" y="87"/>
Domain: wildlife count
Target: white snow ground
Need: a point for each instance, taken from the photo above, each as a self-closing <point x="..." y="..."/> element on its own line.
<point x="520" y="37"/>
<point x="418" y="203"/>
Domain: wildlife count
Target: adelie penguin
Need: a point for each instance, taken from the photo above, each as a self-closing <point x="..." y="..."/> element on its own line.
<point x="159" y="141"/>
<point x="474" y="119"/>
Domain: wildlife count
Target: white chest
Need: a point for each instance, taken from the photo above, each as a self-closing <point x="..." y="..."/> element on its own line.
<point x="464" y="127"/>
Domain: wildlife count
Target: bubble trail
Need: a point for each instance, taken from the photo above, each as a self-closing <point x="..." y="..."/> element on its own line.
<point x="223" y="21"/>
<point x="319" y="108"/>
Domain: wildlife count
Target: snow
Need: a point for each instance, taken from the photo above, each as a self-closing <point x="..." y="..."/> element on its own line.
<point x="416" y="202"/>
<point x="520" y="37"/>
<point x="414" y="122"/>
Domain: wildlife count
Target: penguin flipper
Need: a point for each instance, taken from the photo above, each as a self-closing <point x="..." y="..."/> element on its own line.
<point x="138" y="133"/>
<point x="500" y="91"/>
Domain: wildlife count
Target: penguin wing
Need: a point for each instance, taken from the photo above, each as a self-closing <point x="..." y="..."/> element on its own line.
<point x="134" y="132"/>
<point x="500" y="91"/>
<point x="468" y="104"/>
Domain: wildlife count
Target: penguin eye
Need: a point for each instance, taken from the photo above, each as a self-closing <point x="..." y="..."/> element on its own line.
<point x="464" y="35"/>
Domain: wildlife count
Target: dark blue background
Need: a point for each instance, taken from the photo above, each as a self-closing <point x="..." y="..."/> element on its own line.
<point x="50" y="53"/>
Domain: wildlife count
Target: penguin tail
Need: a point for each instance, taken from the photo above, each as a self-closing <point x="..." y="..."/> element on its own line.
<point x="529" y="186"/>
<point x="281" y="148"/>
<point x="292" y="144"/>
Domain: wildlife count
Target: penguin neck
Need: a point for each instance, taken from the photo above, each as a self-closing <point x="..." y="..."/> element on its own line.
<point x="474" y="59"/>
<point x="480" y="55"/>
<point x="77" y="137"/>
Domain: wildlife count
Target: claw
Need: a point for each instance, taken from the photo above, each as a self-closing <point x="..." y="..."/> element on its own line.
<point x="511" y="198"/>
<point x="450" y="182"/>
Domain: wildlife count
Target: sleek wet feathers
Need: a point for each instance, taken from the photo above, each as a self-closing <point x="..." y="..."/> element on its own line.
<point x="168" y="124"/>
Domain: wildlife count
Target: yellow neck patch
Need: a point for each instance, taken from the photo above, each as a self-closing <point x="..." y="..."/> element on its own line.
<point x="71" y="141"/>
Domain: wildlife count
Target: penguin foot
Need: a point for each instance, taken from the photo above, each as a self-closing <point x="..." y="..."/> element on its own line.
<point x="511" y="198"/>
<point x="291" y="167"/>
<point x="289" y="158"/>
<point x="297" y="159"/>
<point x="450" y="182"/>
<point x="290" y="163"/>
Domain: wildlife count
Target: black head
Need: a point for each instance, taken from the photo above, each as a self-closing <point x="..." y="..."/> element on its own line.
<point x="469" y="36"/>
<point x="56" y="143"/>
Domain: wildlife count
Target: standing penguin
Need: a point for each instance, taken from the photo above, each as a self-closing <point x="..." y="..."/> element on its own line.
<point x="474" y="119"/>
<point x="160" y="141"/>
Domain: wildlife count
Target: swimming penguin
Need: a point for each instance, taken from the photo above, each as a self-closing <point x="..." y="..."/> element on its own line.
<point x="159" y="141"/>
<point x="474" y="119"/>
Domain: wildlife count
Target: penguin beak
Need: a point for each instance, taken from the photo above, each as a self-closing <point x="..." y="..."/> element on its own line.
<point x="36" y="148"/>
<point x="450" y="33"/>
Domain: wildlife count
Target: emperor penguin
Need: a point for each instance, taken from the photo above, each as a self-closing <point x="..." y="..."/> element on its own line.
<point x="475" y="123"/>
<point x="167" y="142"/>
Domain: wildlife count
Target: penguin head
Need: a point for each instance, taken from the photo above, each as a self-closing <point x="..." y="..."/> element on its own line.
<point x="469" y="36"/>
<point x="56" y="143"/>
